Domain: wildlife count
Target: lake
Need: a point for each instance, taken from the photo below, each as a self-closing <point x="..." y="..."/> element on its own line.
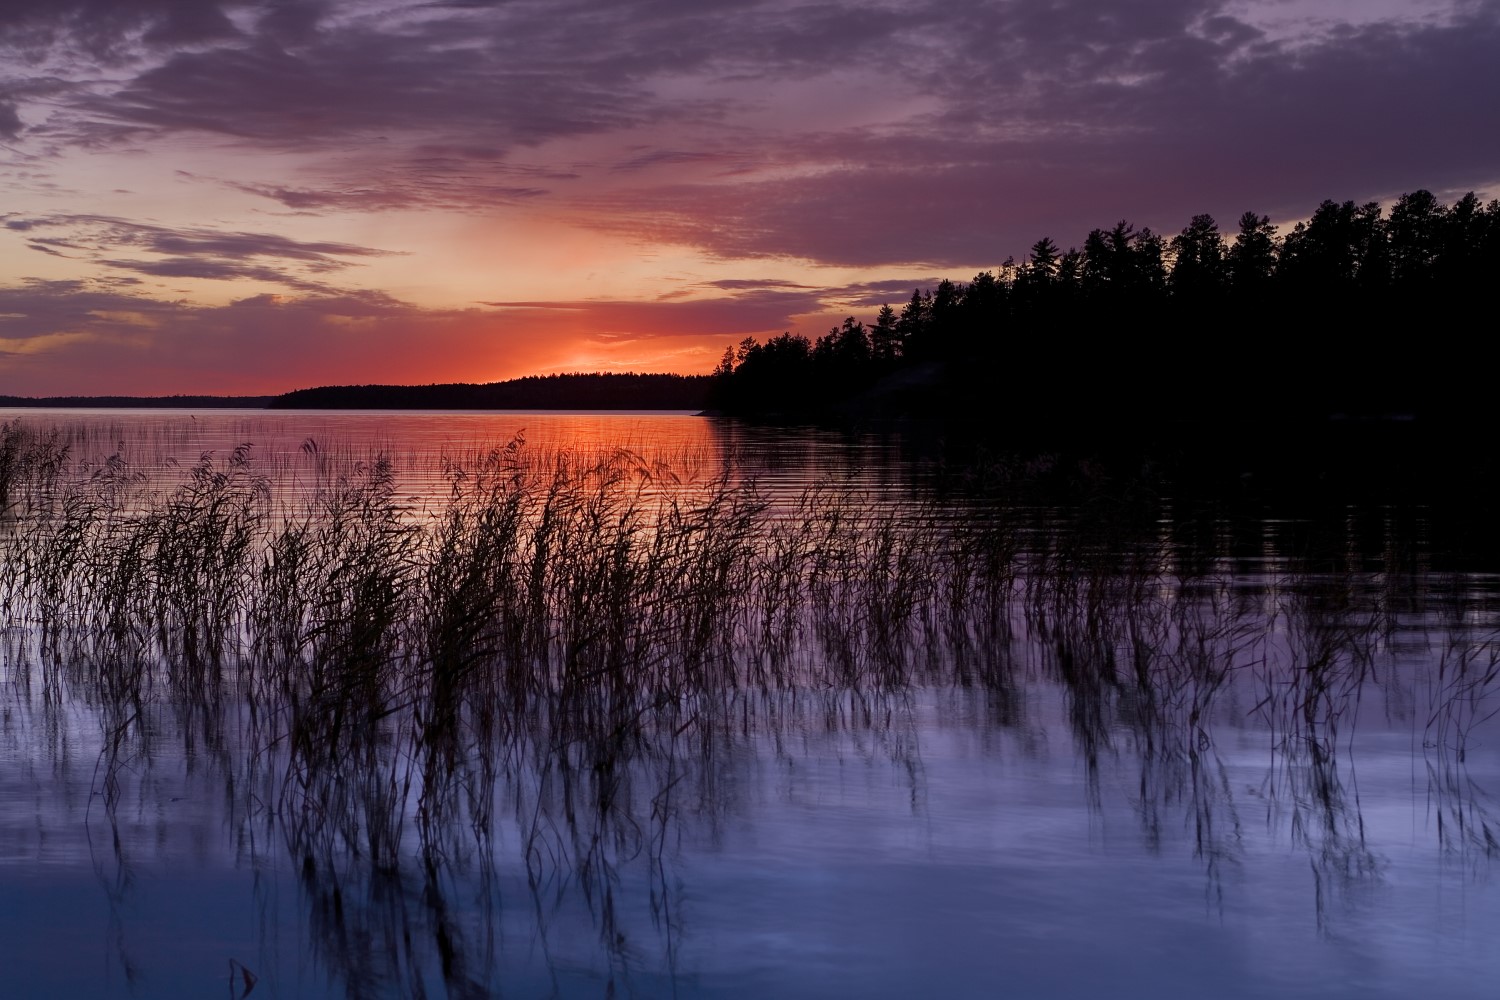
<point x="632" y="704"/>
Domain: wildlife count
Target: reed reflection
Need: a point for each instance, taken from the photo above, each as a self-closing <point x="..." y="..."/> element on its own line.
<point x="466" y="724"/>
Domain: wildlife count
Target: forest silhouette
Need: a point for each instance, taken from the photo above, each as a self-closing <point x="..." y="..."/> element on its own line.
<point x="1359" y="315"/>
<point x="1355" y="314"/>
<point x="572" y="391"/>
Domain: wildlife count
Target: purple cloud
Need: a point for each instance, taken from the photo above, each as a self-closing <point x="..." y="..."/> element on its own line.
<point x="194" y="252"/>
<point x="747" y="312"/>
<point x="1041" y="117"/>
<point x="921" y="137"/>
<point x="1056" y="118"/>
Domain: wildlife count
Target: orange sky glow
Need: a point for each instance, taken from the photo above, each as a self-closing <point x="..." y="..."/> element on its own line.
<point x="247" y="197"/>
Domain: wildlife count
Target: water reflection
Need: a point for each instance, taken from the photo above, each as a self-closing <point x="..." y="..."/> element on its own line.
<point x="588" y="726"/>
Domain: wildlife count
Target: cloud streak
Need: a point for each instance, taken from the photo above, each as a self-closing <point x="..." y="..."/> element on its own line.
<point x="191" y="252"/>
<point x="66" y="337"/>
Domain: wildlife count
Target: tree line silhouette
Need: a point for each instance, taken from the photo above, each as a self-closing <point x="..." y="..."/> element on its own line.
<point x="178" y="402"/>
<point x="1356" y="311"/>
<point x="571" y="391"/>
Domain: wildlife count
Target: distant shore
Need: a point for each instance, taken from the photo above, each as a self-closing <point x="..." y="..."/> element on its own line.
<point x="579" y="391"/>
<point x="141" y="402"/>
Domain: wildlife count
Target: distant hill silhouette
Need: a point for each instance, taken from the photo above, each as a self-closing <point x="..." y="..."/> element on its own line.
<point x="131" y="402"/>
<point x="580" y="391"/>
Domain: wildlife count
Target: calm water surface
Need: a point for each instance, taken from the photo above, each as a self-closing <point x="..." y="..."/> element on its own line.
<point x="1141" y="759"/>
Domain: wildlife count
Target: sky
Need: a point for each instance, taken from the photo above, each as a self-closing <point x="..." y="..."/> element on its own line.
<point x="215" y="196"/>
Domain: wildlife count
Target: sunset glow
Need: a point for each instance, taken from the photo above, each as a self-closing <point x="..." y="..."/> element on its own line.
<point x="250" y="197"/>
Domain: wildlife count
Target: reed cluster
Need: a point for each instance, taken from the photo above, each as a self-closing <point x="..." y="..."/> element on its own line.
<point x="565" y="648"/>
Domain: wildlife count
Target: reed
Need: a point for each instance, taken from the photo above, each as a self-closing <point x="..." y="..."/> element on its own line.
<point x="566" y="647"/>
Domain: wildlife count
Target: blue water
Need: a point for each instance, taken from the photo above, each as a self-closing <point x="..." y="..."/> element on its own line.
<point x="952" y="841"/>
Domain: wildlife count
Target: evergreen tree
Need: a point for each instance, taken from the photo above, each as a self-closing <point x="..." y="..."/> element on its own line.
<point x="885" y="338"/>
<point x="1417" y="227"/>
<point x="1198" y="265"/>
<point x="1043" y="261"/>
<point x="1252" y="260"/>
<point x="914" y="324"/>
